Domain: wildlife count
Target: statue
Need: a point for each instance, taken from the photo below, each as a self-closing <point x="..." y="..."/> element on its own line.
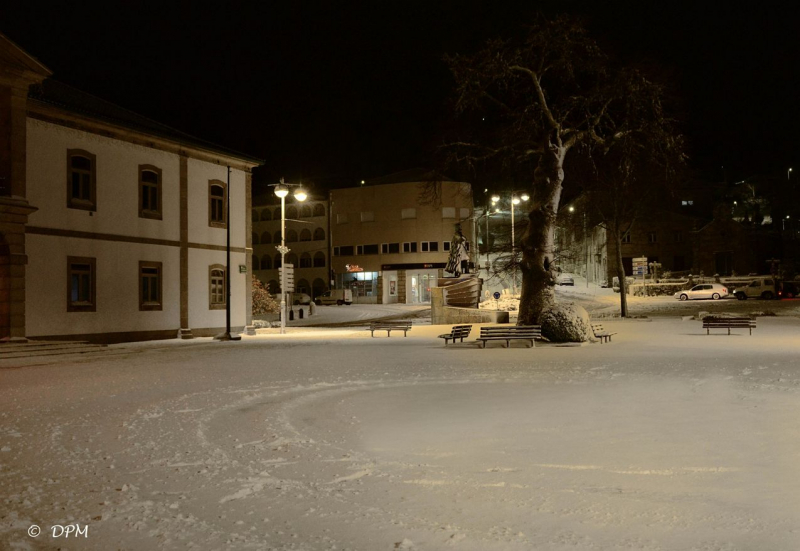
<point x="458" y="262"/>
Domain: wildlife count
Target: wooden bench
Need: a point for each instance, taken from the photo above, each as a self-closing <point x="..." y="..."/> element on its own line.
<point x="712" y="322"/>
<point x="602" y="334"/>
<point x="510" y="333"/>
<point x="458" y="332"/>
<point x="390" y="326"/>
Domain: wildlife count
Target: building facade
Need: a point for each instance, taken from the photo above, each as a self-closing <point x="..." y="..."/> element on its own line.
<point x="389" y="244"/>
<point x="117" y="225"/>
<point x="306" y="237"/>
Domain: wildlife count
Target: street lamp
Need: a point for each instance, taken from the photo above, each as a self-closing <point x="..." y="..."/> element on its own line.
<point x="515" y="200"/>
<point x="282" y="190"/>
<point x="788" y="174"/>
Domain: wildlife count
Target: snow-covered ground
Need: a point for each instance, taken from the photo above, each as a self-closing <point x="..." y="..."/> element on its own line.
<point x="324" y="438"/>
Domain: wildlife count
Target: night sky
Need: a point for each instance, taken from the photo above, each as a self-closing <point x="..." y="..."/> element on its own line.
<point x="336" y="92"/>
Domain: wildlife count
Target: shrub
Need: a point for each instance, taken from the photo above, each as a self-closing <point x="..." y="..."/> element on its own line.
<point x="263" y="302"/>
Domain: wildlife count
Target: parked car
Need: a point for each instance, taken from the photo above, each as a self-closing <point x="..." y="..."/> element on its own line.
<point x="335" y="296"/>
<point x="565" y="280"/>
<point x="300" y="298"/>
<point x="713" y="291"/>
<point x="789" y="289"/>
<point x="763" y="287"/>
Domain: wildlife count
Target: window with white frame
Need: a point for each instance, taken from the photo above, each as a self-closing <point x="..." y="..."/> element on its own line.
<point x="429" y="246"/>
<point x="341" y="218"/>
<point x="368" y="216"/>
<point x="448" y="212"/>
<point x="407" y="214"/>
<point x="410" y="247"/>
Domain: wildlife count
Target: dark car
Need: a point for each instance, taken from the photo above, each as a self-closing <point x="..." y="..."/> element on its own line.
<point x="789" y="289"/>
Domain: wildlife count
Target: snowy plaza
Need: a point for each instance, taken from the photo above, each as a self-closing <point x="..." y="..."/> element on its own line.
<point x="324" y="438"/>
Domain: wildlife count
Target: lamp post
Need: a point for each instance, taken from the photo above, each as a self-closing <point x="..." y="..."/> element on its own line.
<point x="282" y="190"/>
<point x="515" y="200"/>
<point x="226" y="336"/>
<point x="788" y="174"/>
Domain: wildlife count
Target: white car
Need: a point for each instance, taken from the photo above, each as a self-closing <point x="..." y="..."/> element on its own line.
<point x="713" y="291"/>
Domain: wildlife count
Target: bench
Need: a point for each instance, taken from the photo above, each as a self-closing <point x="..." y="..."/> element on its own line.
<point x="712" y="322"/>
<point x="390" y="326"/>
<point x="510" y="333"/>
<point x="458" y="332"/>
<point x="602" y="334"/>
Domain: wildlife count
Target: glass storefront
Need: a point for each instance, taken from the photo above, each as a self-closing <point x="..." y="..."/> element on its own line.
<point x="363" y="284"/>
<point x="419" y="285"/>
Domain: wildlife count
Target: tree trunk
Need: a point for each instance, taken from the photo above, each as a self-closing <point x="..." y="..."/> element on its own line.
<point x="537" y="244"/>
<point x="623" y="284"/>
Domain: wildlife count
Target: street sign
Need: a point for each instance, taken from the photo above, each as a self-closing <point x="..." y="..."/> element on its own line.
<point x="288" y="277"/>
<point x="640" y="265"/>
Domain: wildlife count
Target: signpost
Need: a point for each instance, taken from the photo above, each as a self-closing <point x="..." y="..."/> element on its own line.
<point x="640" y="269"/>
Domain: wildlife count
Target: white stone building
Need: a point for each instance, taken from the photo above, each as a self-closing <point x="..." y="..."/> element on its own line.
<point x="114" y="226"/>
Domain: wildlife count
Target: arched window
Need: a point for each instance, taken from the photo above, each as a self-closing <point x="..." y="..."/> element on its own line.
<point x="291" y="236"/>
<point x="319" y="209"/>
<point x="266" y="238"/>
<point x="149" y="192"/>
<point x="291" y="213"/>
<point x="319" y="259"/>
<point x="277" y="261"/>
<point x="277" y="215"/>
<point x="81" y="180"/>
<point x="291" y="258"/>
<point x="277" y="238"/>
<point x="305" y="235"/>
<point x="216" y="287"/>
<point x="216" y="204"/>
<point x="303" y="286"/>
<point x="266" y="215"/>
<point x="273" y="287"/>
<point x="319" y="234"/>
<point x="305" y="211"/>
<point x="255" y="238"/>
<point x="266" y="262"/>
<point x="305" y="260"/>
<point x="317" y="288"/>
<point x="255" y="215"/>
<point x="256" y="263"/>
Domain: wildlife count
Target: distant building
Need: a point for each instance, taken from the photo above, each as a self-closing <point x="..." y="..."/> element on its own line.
<point x="306" y="237"/>
<point x="112" y="226"/>
<point x="390" y="241"/>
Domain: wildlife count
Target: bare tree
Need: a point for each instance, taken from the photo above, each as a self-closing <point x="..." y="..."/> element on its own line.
<point x="538" y="97"/>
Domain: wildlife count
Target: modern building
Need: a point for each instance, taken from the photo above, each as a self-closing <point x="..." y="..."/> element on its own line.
<point x="113" y="226"/>
<point x="306" y="237"/>
<point x="390" y="238"/>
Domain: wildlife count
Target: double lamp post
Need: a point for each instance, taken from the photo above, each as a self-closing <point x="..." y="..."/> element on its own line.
<point x="515" y="200"/>
<point x="282" y="190"/>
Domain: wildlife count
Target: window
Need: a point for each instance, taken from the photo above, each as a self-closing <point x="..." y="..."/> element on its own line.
<point x="407" y="214"/>
<point x="371" y="249"/>
<point x="368" y="216"/>
<point x="256" y="264"/>
<point x="216" y="287"/>
<point x="626" y="237"/>
<point x="336" y="251"/>
<point x="149" y="192"/>
<point x="149" y="286"/>
<point x="266" y="262"/>
<point x="341" y="218"/>
<point x="266" y="238"/>
<point x="216" y="204"/>
<point x="291" y="236"/>
<point x="266" y="215"/>
<point x="319" y="260"/>
<point x="390" y="248"/>
<point x="359" y="249"/>
<point x="445" y="246"/>
<point x="347" y="250"/>
<point x="305" y="260"/>
<point x="464" y="213"/>
<point x="254" y="239"/>
<point x="319" y="234"/>
<point x="652" y="237"/>
<point x="81" y="279"/>
<point x="448" y="212"/>
<point x="410" y="247"/>
<point x="305" y="234"/>
<point x="430" y="246"/>
<point x="319" y="209"/>
<point x="305" y="211"/>
<point x="81" y="180"/>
